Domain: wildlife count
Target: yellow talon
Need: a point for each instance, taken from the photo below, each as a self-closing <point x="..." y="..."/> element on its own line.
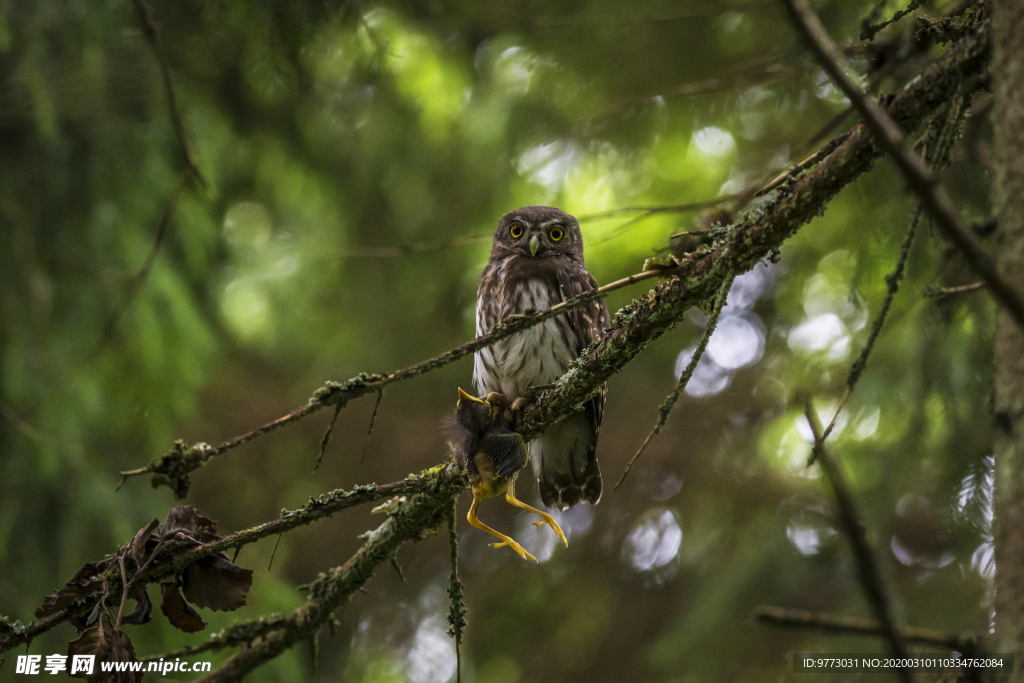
<point x="510" y="497"/>
<point x="505" y="540"/>
<point x="516" y="547"/>
<point x="550" y="521"/>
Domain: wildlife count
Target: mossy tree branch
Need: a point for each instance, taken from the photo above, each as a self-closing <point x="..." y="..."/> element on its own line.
<point x="173" y="559"/>
<point x="410" y="520"/>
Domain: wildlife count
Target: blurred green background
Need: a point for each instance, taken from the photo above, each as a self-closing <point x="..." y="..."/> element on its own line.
<point x="331" y="129"/>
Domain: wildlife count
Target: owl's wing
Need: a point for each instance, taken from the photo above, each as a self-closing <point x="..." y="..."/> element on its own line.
<point x="507" y="452"/>
<point x="588" y="323"/>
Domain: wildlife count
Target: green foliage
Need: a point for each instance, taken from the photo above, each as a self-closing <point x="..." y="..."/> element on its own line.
<point x="330" y="128"/>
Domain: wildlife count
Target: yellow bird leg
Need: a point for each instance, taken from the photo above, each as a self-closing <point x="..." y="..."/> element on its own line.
<point x="505" y="540"/>
<point x="510" y="497"/>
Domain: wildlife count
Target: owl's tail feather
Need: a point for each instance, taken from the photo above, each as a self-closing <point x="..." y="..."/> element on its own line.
<point x="562" y="490"/>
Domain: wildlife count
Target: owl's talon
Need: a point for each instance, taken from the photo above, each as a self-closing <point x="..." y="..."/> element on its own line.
<point x="519" y="404"/>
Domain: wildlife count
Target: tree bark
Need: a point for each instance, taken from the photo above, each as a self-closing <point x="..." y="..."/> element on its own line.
<point x="1008" y="126"/>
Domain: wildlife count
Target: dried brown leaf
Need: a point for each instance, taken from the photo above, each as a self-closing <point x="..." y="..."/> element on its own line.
<point x="86" y="581"/>
<point x="137" y="548"/>
<point x="215" y="583"/>
<point x="108" y="645"/>
<point x="181" y="614"/>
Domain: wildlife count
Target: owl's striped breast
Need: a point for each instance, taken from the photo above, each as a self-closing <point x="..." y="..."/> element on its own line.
<point x="535" y="356"/>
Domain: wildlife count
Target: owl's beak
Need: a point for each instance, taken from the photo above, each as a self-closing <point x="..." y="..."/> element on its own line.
<point x="534" y="245"/>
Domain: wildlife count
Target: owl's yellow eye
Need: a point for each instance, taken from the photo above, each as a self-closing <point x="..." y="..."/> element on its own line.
<point x="516" y="231"/>
<point x="556" y="233"/>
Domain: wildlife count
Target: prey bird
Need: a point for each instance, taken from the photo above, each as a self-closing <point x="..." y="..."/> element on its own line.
<point x="493" y="454"/>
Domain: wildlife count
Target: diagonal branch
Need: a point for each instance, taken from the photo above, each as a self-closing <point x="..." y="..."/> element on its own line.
<point x="152" y="30"/>
<point x="173" y="467"/>
<point x="942" y="292"/>
<point x="919" y="177"/>
<point x="411" y="520"/>
<point x="173" y="560"/>
<point x="892" y="285"/>
<point x="670" y="401"/>
<point x="136" y="282"/>
<point x="866" y="564"/>
<point x="840" y="624"/>
<point x="683" y="13"/>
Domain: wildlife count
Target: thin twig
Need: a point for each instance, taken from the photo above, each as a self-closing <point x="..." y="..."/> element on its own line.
<point x="869" y="31"/>
<point x="937" y="145"/>
<point x="326" y="438"/>
<point x="763" y="69"/>
<point x="667" y="208"/>
<point x="369" y="430"/>
<point x="409" y="248"/>
<point x="692" y="12"/>
<point x="892" y="284"/>
<point x="942" y="292"/>
<point x="670" y="401"/>
<point x="919" y="177"/>
<point x="152" y="31"/>
<point x="840" y="624"/>
<point x="867" y="566"/>
<point x="428" y="246"/>
<point x="457" y="605"/>
<point x="135" y="284"/>
<point x="24" y="427"/>
<point x="273" y="553"/>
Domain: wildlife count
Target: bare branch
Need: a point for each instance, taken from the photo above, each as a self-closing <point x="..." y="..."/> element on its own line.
<point x="135" y="284"/>
<point x="670" y="401"/>
<point x="919" y="177"/>
<point x="869" y="31"/>
<point x="937" y="143"/>
<point x="326" y="438"/>
<point x="428" y="246"/>
<point x="892" y="285"/>
<point x="763" y="69"/>
<point x="942" y="292"/>
<point x="668" y="208"/>
<point x="409" y="248"/>
<point x="683" y="13"/>
<point x="867" y="566"/>
<point x="839" y="624"/>
<point x="153" y="33"/>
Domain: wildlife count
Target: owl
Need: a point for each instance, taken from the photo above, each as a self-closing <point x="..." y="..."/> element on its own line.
<point x="537" y="261"/>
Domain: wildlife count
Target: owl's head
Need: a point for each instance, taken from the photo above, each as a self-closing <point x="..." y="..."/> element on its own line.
<point x="538" y="232"/>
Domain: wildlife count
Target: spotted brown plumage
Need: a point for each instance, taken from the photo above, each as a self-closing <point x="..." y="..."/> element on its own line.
<point x="537" y="261"/>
